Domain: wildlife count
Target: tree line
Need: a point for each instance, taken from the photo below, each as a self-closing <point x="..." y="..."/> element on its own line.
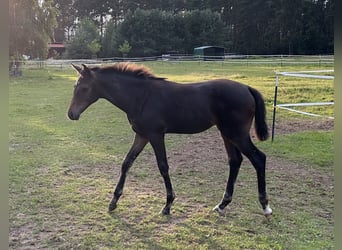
<point x="108" y="28"/>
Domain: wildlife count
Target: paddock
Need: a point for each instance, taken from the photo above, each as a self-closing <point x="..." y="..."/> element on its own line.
<point x="62" y="173"/>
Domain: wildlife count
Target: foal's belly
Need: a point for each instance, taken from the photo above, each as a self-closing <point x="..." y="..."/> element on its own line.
<point x="188" y="126"/>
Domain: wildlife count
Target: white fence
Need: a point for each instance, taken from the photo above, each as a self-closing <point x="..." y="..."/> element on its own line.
<point x="280" y="60"/>
<point x="287" y="106"/>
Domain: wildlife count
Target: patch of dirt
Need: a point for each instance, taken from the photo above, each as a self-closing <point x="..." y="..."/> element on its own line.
<point x="23" y="236"/>
<point x="208" y="146"/>
<point x="297" y="125"/>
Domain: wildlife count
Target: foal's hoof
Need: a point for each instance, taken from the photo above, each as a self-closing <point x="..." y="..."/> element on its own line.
<point x="268" y="216"/>
<point x="111" y="207"/>
<point x="165" y="211"/>
<point x="268" y="212"/>
<point x="219" y="210"/>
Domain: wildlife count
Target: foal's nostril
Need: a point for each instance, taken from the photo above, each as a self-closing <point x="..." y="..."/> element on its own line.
<point x="72" y="116"/>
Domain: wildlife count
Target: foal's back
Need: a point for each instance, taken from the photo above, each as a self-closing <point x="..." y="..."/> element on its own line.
<point x="194" y="107"/>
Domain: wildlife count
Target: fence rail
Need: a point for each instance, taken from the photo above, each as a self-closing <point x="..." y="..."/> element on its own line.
<point x="280" y="60"/>
<point x="288" y="106"/>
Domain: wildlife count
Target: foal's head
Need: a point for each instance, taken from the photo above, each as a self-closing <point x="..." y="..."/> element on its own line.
<point x="84" y="93"/>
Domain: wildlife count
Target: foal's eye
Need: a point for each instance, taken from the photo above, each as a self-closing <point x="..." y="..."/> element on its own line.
<point x="82" y="90"/>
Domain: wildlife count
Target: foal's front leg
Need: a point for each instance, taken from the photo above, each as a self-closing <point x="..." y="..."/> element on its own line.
<point x="158" y="146"/>
<point x="138" y="145"/>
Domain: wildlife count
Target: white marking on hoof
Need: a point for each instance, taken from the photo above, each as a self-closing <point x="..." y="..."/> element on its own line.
<point x="267" y="211"/>
<point x="218" y="209"/>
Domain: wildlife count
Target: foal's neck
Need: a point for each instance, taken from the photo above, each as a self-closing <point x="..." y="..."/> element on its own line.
<point x="126" y="92"/>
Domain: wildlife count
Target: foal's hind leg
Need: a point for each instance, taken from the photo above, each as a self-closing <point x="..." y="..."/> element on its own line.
<point x="258" y="159"/>
<point x="138" y="145"/>
<point x="235" y="159"/>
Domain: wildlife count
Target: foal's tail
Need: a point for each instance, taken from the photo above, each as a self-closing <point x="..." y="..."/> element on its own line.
<point x="261" y="128"/>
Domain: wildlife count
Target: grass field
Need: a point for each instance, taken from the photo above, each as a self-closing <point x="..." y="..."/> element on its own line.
<point x="62" y="173"/>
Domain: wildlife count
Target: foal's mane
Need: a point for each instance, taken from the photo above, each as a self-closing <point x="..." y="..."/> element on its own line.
<point x="127" y="68"/>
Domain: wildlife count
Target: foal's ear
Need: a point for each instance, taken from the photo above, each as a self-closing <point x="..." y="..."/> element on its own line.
<point x="86" y="70"/>
<point x="77" y="68"/>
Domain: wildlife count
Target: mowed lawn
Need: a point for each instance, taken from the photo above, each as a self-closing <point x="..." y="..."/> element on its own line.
<point x="62" y="173"/>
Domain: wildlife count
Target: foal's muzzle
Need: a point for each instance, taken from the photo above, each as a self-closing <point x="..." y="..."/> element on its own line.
<point x="73" y="116"/>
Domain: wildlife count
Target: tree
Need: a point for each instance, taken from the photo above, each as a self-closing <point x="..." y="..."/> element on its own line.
<point x="329" y="10"/>
<point x="85" y="41"/>
<point x="94" y="47"/>
<point x="125" y="48"/>
<point x="66" y="19"/>
<point x="202" y="27"/>
<point x="145" y="30"/>
<point x="315" y="32"/>
<point x="110" y="41"/>
<point x="242" y="26"/>
<point x="156" y="32"/>
<point x="31" y="27"/>
<point x="96" y="10"/>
